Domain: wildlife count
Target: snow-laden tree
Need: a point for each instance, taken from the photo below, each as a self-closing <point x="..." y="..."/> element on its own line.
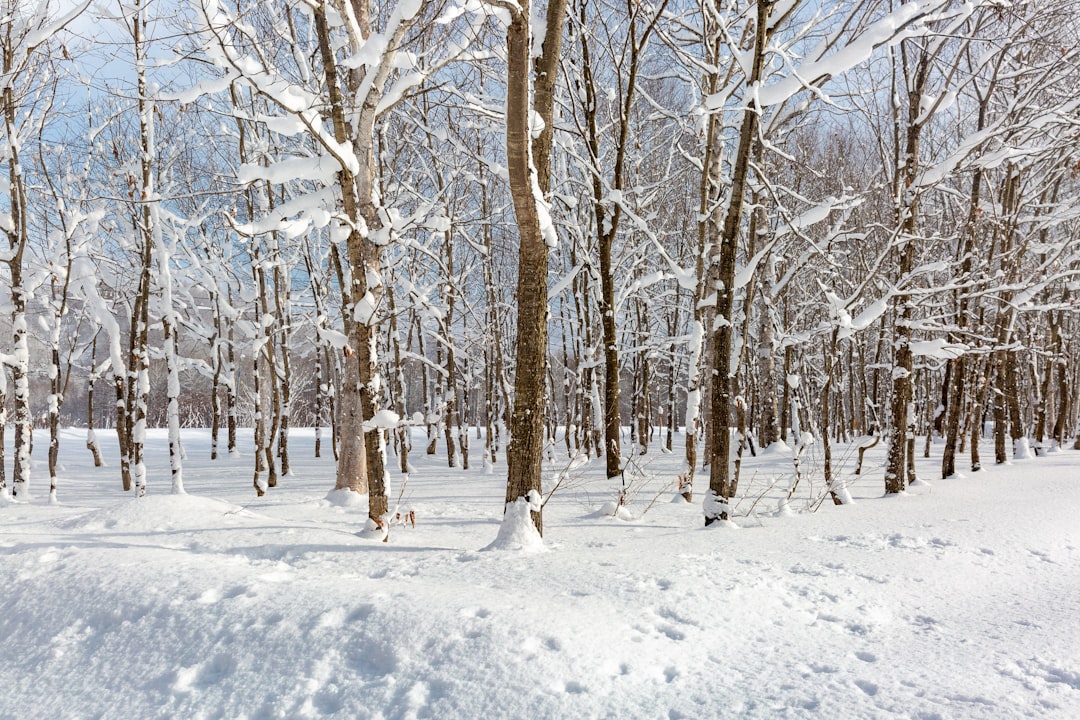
<point x="329" y="71"/>
<point x="530" y="100"/>
<point x="27" y="35"/>
<point x="816" y="47"/>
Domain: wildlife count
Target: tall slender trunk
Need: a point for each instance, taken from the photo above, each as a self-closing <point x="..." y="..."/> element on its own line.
<point x="18" y="236"/>
<point x="830" y="352"/>
<point x="525" y="452"/>
<point x="398" y="386"/>
<point x="230" y="389"/>
<point x="91" y="436"/>
<point x="958" y="374"/>
<point x="722" y="484"/>
<point x="217" y="347"/>
<point x="769" y="427"/>
<point x="527" y="181"/>
<point x="361" y="459"/>
<point x="4" y="490"/>
<point x="283" y="309"/>
<point x="897" y="470"/>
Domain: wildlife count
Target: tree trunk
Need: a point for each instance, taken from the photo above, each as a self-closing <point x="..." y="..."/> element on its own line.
<point x="91" y="436"/>
<point x="722" y="485"/>
<point x="898" y="468"/>
<point x="361" y="460"/>
<point x="525" y="453"/>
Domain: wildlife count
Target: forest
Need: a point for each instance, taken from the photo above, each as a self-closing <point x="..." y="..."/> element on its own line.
<point x="572" y="230"/>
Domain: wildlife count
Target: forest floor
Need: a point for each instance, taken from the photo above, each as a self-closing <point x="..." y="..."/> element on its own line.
<point x="959" y="599"/>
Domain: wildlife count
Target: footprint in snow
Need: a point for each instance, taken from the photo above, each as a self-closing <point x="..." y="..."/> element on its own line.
<point x="874" y="579"/>
<point x="925" y="623"/>
<point x="803" y="570"/>
<point x="236" y="592"/>
<point x="867" y="687"/>
<point x="671" y="633"/>
<point x="417" y="697"/>
<point x="328" y="700"/>
<point x="675" y="617"/>
<point x="360" y="613"/>
<point x="1047" y="672"/>
<point x="474" y="613"/>
<point x="866" y="657"/>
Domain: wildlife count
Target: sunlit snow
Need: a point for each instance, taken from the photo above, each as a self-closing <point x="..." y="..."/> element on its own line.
<point x="956" y="600"/>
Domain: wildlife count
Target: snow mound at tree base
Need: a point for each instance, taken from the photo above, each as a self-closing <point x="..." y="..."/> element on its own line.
<point x="346" y="498"/>
<point x="777" y="448"/>
<point x="517" y="531"/>
<point x="614" y="510"/>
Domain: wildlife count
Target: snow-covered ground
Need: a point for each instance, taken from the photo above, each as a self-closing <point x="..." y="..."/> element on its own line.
<point x="960" y="599"/>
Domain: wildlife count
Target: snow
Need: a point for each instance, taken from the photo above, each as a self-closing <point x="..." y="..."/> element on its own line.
<point x="383" y="419"/>
<point x="867" y="317"/>
<point x="938" y="348"/>
<point x="888" y="29"/>
<point x="956" y="601"/>
<point x="517" y="531"/>
<point x="320" y="167"/>
<point x="778" y="448"/>
<point x="1022" y="449"/>
<point x="337" y="340"/>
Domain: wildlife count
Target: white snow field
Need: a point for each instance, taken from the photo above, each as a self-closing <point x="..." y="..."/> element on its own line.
<point x="959" y="599"/>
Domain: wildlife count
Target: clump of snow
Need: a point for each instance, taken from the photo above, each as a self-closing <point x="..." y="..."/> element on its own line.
<point x="613" y="509"/>
<point x="374" y="531"/>
<point x="1022" y="449"/>
<point x="844" y="494"/>
<point x="779" y="447"/>
<point x="938" y="348"/>
<point x="716" y="508"/>
<point x="346" y="498"/>
<point x="382" y="420"/>
<point x="517" y="531"/>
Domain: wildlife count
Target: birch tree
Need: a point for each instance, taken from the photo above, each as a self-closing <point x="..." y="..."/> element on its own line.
<point x="24" y="41"/>
<point x="337" y="101"/>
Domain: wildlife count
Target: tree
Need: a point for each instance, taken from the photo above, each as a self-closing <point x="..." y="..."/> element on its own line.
<point x="721" y="487"/>
<point x="352" y="88"/>
<point x="536" y="233"/>
<point x="23" y="65"/>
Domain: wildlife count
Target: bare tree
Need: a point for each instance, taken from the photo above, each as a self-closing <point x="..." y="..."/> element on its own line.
<point x="528" y="182"/>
